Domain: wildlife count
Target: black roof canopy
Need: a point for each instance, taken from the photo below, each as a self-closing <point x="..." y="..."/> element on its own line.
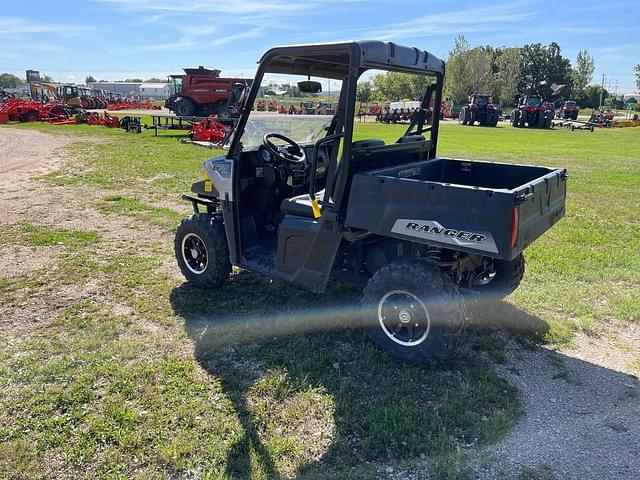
<point x="331" y="60"/>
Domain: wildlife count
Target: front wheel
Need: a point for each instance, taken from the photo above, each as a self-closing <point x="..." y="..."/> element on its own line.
<point x="548" y="119"/>
<point x="222" y="112"/>
<point x="515" y="118"/>
<point x="414" y="311"/>
<point x="202" y="252"/>
<point x="185" y="108"/>
<point x="464" y="116"/>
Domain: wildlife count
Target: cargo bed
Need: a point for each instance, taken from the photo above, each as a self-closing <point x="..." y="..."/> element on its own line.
<point x="487" y="208"/>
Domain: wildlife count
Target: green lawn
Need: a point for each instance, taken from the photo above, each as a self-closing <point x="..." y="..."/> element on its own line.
<point x="145" y="377"/>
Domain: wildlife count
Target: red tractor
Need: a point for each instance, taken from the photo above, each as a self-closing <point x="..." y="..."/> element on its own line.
<point x="480" y="109"/>
<point x="202" y="92"/>
<point x="532" y="111"/>
<point x="569" y="110"/>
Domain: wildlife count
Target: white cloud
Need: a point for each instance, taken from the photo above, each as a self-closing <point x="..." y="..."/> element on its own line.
<point x="475" y="19"/>
<point x="254" y="32"/>
<point x="14" y="25"/>
<point x="186" y="6"/>
<point x="165" y="46"/>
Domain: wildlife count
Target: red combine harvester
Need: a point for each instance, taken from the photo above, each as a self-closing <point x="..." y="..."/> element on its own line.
<point x="480" y="109"/>
<point x="202" y="92"/>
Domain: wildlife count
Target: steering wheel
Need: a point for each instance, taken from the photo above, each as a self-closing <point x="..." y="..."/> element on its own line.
<point x="281" y="151"/>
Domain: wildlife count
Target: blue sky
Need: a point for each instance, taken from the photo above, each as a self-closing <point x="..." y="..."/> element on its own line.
<point x="115" y="39"/>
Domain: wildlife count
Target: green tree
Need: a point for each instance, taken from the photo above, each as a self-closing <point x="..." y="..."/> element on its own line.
<point x="395" y="86"/>
<point x="47" y="78"/>
<point x="364" y="92"/>
<point x="591" y="96"/>
<point x="8" y="80"/>
<point x="134" y="80"/>
<point x="89" y="79"/>
<point x="507" y="73"/>
<point x="583" y="71"/>
<point x="155" y="80"/>
<point x="456" y="79"/>
<point x="469" y="70"/>
<point x="541" y="67"/>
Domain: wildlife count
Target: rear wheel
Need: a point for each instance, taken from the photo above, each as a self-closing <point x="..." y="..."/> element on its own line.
<point x="202" y="252"/>
<point x="507" y="278"/>
<point x="414" y="311"/>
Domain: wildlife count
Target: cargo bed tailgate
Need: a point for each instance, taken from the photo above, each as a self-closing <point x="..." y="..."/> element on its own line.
<point x="487" y="208"/>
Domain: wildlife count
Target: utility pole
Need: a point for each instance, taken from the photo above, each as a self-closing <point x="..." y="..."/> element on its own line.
<point x="601" y="91"/>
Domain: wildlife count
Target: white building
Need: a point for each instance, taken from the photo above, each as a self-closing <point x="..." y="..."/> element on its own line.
<point x="157" y="91"/>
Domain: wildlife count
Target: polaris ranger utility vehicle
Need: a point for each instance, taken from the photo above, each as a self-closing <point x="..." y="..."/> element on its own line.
<point x="297" y="197"/>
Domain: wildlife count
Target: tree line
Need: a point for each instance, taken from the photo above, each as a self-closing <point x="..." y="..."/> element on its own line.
<point x="8" y="80"/>
<point x="504" y="72"/>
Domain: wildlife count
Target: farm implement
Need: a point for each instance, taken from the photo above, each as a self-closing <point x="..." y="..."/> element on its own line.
<point x="94" y="118"/>
<point x="19" y="110"/>
<point x="130" y="105"/>
<point x="576" y="125"/>
<point x="209" y="130"/>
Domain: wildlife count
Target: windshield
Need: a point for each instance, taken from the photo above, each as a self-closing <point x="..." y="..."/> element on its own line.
<point x="482" y="100"/>
<point x="302" y="129"/>
<point x="302" y="117"/>
<point x="534" y="101"/>
<point x="175" y="86"/>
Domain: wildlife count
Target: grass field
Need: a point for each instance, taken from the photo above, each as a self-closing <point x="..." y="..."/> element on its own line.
<point x="144" y="377"/>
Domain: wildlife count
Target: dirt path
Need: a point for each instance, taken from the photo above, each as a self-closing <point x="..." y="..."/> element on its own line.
<point x="582" y="409"/>
<point x="27" y="153"/>
<point x="24" y="156"/>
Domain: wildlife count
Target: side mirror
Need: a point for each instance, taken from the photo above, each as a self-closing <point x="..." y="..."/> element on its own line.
<point x="310" y="86"/>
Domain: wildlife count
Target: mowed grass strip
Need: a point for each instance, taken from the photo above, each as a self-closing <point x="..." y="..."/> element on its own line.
<point x="109" y="386"/>
<point x="132" y="207"/>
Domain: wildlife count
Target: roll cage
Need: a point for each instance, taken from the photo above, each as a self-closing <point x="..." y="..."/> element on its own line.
<point x="346" y="62"/>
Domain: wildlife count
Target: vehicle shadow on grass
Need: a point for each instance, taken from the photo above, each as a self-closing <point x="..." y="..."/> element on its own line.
<point x="316" y="399"/>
